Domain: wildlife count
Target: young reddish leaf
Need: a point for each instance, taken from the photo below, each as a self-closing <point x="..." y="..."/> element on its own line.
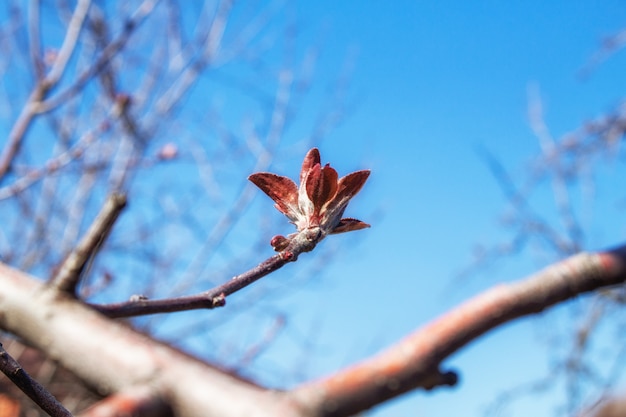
<point x="280" y="189"/>
<point x="320" y="200"/>
<point x="321" y="186"/>
<point x="349" y="225"/>
<point x="352" y="183"/>
<point x="347" y="188"/>
<point x="311" y="159"/>
<point x="330" y="182"/>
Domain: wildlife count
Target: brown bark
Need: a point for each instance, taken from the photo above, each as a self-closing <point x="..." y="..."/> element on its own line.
<point x="113" y="358"/>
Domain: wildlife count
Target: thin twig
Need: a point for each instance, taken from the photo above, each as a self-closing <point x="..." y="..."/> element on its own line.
<point x="554" y="162"/>
<point x="102" y="61"/>
<point x="69" y="44"/>
<point x="304" y="241"/>
<point x="29" y="110"/>
<point x="69" y="273"/>
<point x="35" y="391"/>
<point x="57" y="162"/>
<point x="34" y="38"/>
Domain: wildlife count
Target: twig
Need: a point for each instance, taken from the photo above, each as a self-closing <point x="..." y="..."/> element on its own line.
<point x="57" y="162"/>
<point x="69" y="44"/>
<point x="102" y="61"/>
<point x="34" y="38"/>
<point x="554" y="162"/>
<point x="69" y="273"/>
<point x="35" y="391"/>
<point x="609" y="46"/>
<point x="304" y="241"/>
<point x="41" y="89"/>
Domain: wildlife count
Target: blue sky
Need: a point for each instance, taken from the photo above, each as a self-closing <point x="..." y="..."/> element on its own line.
<point x="432" y="83"/>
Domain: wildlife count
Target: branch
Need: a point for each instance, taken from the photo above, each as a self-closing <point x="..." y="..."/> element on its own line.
<point x="304" y="241"/>
<point x="34" y="38"/>
<point x="35" y="391"/>
<point x="112" y="358"/>
<point x="41" y="89"/>
<point x="142" y="401"/>
<point x="122" y="358"/>
<point x="69" y="44"/>
<point x="58" y="162"/>
<point x="69" y="273"/>
<point x="101" y="61"/>
<point x="415" y="361"/>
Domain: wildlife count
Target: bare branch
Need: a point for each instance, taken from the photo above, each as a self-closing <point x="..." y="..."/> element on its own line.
<point x="68" y="276"/>
<point x="18" y="131"/>
<point x="16" y="136"/>
<point x="126" y="358"/>
<point x="69" y="44"/>
<point x="610" y="46"/>
<point x="304" y="241"/>
<point x="608" y="406"/>
<point x="57" y="162"/>
<point x="528" y="220"/>
<point x="99" y="63"/>
<point x="549" y="148"/>
<point x="411" y="362"/>
<point x="138" y="401"/>
<point x="30" y="387"/>
<point x="34" y="38"/>
<point x="131" y="358"/>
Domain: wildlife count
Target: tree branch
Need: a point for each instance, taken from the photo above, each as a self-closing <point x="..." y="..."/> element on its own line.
<point x="101" y="62"/>
<point x="141" y="401"/>
<point x="304" y="241"/>
<point x="18" y="132"/>
<point x="33" y="389"/>
<point x="69" y="44"/>
<point x="113" y="358"/>
<point x="69" y="273"/>
<point x="65" y="329"/>
<point x="412" y="362"/>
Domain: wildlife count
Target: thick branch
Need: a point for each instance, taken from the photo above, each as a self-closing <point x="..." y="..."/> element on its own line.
<point x="121" y="358"/>
<point x="142" y="401"/>
<point x="412" y="362"/>
<point x="112" y="358"/>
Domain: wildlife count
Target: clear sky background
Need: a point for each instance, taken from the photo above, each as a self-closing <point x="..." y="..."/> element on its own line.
<point x="431" y="83"/>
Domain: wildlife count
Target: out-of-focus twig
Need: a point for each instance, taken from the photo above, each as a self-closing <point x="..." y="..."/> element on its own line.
<point x="552" y="160"/>
<point x="68" y="276"/>
<point x="35" y="391"/>
<point x="610" y="45"/>
<point x="56" y="163"/>
<point x="101" y="62"/>
<point x="23" y="122"/>
<point x="69" y="44"/>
